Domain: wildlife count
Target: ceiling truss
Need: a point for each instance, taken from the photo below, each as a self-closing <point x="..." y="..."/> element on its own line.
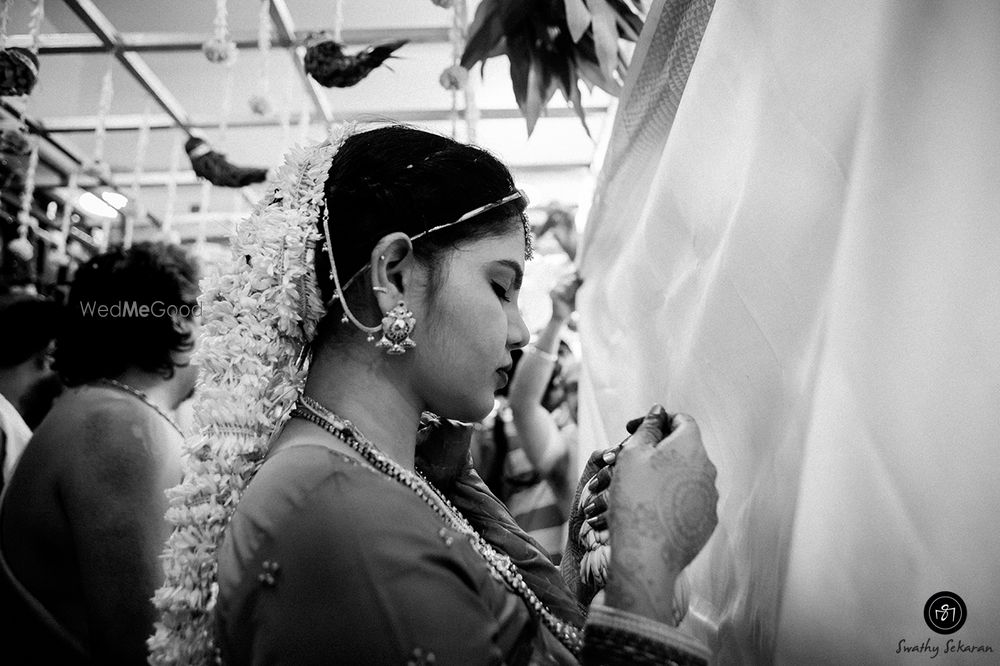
<point x="128" y="48"/>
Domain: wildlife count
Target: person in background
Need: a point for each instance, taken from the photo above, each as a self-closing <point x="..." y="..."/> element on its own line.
<point x="525" y="449"/>
<point x="28" y="384"/>
<point x="559" y="222"/>
<point x="82" y="523"/>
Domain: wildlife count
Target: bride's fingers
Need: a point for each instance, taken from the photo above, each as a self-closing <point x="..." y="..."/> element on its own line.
<point x="600" y="481"/>
<point x="597" y="505"/>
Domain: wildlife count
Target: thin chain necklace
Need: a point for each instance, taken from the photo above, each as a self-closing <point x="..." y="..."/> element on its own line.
<point x="122" y="386"/>
<point x="500" y="564"/>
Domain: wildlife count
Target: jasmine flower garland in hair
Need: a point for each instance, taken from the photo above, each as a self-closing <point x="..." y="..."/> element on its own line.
<point x="259" y="313"/>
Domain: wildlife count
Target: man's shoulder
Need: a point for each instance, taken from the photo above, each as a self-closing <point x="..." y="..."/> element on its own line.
<point x="93" y="425"/>
<point x="108" y="410"/>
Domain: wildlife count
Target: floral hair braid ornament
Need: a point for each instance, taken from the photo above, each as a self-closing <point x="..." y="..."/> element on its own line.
<point x="260" y="312"/>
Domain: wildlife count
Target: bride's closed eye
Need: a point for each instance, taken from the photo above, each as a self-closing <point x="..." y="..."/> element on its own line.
<point x="501" y="292"/>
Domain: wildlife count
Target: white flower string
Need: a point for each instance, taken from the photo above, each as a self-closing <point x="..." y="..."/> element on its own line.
<point x="259" y="314"/>
<point x="456" y="78"/>
<point x="66" y="221"/>
<point x="35" y="24"/>
<point x="171" y="203"/>
<point x="21" y="245"/>
<point x="220" y="49"/>
<point x="338" y="21"/>
<point x="305" y="119"/>
<point x="260" y="102"/>
<point x="139" y="208"/>
<point x="225" y="107"/>
<point x="469" y="89"/>
<point x="97" y="166"/>
<point x="4" y="19"/>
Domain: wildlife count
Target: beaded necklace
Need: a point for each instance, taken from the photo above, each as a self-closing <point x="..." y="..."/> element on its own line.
<point x="500" y="564"/>
<point x="121" y="386"/>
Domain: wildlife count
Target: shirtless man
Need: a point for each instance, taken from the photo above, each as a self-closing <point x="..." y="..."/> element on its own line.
<point x="82" y="524"/>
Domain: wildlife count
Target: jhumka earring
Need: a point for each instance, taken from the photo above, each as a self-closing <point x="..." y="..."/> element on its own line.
<point x="397" y="325"/>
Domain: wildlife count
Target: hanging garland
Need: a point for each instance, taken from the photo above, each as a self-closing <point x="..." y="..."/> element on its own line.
<point x="22" y="246"/>
<point x="456" y="78"/>
<point x="166" y="230"/>
<point x="19" y="66"/>
<point x="260" y="103"/>
<point x="553" y="46"/>
<point x="206" y="203"/>
<point x="305" y="120"/>
<point x="97" y="167"/>
<point x="15" y="146"/>
<point x="219" y="48"/>
<point x="141" y="145"/>
<point x="60" y="257"/>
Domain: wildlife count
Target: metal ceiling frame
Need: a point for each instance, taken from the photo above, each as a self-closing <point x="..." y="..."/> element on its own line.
<point x="128" y="47"/>
<point x="77" y="43"/>
<point x="133" y="122"/>
<point x="285" y="28"/>
<point x="99" y="24"/>
<point x="54" y="154"/>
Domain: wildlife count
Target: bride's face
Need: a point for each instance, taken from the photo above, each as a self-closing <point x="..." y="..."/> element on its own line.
<point x="472" y="324"/>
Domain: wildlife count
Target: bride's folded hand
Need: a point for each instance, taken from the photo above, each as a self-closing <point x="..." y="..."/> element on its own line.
<point x="442" y="453"/>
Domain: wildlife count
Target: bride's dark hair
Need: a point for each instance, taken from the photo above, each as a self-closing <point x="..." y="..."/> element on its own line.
<point x="399" y="178"/>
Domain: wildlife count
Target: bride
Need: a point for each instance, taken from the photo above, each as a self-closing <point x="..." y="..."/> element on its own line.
<point x="376" y="287"/>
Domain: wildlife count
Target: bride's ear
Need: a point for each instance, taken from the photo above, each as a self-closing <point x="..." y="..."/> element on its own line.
<point x="393" y="265"/>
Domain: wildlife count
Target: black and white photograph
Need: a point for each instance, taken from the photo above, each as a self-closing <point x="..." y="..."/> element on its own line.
<point x="499" y="332"/>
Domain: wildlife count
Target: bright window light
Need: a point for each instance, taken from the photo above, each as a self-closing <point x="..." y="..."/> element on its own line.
<point x="91" y="204"/>
<point x="115" y="200"/>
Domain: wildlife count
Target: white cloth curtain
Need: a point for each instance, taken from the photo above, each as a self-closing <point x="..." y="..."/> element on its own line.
<point x="803" y="252"/>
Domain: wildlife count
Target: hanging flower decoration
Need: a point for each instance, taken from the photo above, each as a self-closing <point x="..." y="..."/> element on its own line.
<point x="18" y="72"/>
<point x="219" y="48"/>
<point x="216" y="169"/>
<point x="14" y="141"/>
<point x="454" y="78"/>
<point x="259" y="103"/>
<point x="21" y="247"/>
<point x="19" y="66"/>
<point x="97" y="167"/>
<point x="553" y="45"/>
<point x="219" y="51"/>
<point x="327" y="63"/>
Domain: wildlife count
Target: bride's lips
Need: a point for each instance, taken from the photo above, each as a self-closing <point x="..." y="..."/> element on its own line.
<point x="504" y="373"/>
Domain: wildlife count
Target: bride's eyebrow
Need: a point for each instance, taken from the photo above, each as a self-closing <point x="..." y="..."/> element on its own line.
<point x="516" y="268"/>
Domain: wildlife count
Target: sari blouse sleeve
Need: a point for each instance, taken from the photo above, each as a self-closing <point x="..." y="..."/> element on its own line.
<point x="326" y="562"/>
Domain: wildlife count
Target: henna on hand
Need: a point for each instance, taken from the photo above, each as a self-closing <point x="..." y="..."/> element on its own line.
<point x="662" y="511"/>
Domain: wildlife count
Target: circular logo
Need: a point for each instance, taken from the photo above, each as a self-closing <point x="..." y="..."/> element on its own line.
<point x="945" y="612"/>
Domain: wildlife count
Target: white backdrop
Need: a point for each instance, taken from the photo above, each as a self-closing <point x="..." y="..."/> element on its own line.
<point x="803" y="252"/>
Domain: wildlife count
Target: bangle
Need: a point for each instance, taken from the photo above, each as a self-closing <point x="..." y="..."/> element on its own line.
<point x="535" y="351"/>
<point x="613" y="636"/>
